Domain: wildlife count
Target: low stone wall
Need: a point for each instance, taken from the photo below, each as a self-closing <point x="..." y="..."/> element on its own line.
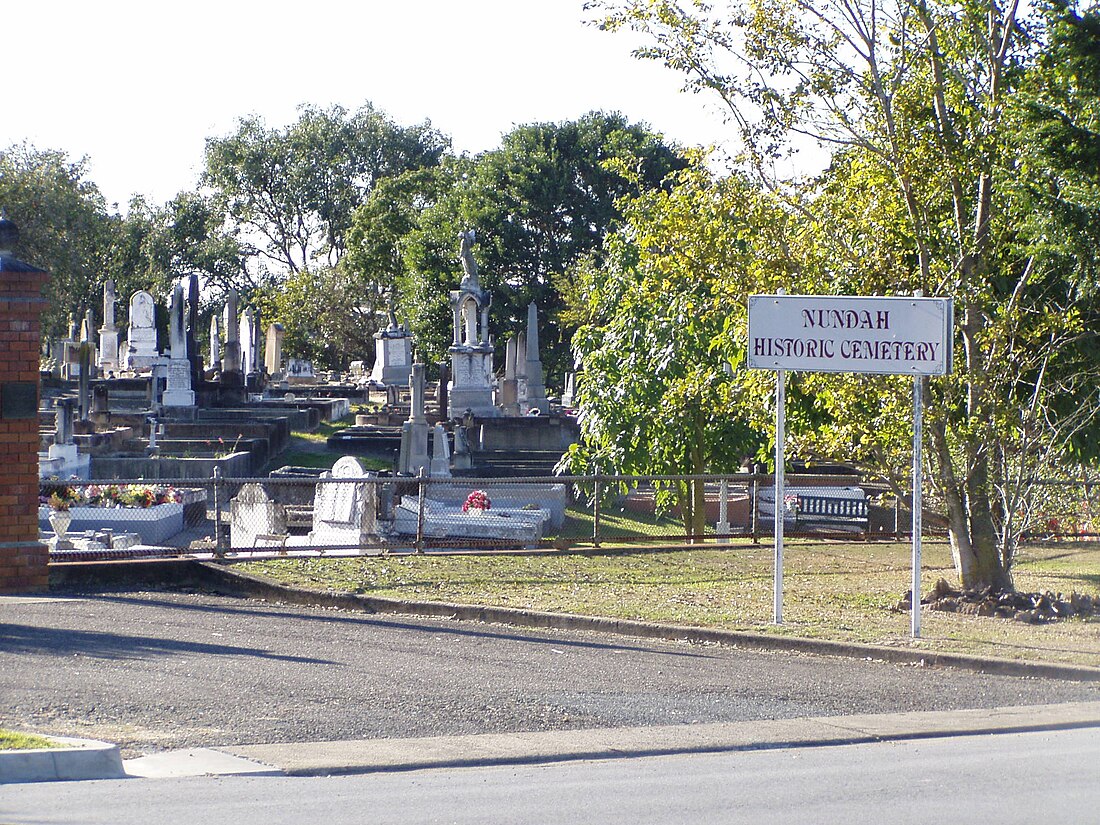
<point x="167" y="468"/>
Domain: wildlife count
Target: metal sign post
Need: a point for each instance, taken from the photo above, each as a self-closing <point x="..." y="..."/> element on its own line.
<point x="780" y="416"/>
<point x="914" y="603"/>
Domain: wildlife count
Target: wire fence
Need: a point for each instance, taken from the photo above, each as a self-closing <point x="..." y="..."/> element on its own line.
<point x="235" y="517"/>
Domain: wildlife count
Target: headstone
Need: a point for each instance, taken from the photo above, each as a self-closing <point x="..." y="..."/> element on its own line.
<point x="463" y="456"/>
<point x="344" y="513"/>
<point x="108" y="333"/>
<point x="254" y="518"/>
<point x="299" y="371"/>
<point x="247" y="338"/>
<point x="177" y="338"/>
<point x="536" y="389"/>
<point x="441" y="453"/>
<point x="413" y="456"/>
<point x="569" y="394"/>
<point x="392" y="354"/>
<point x="84" y="376"/>
<point x="178" y="392"/>
<point x="63" y="458"/>
<point x="441" y="388"/>
<point x="215" y="362"/>
<point x="141" y="334"/>
<point x="100" y="405"/>
<point x="508" y="397"/>
<point x="273" y="352"/>
<point x="231" y="359"/>
<point x="84" y="356"/>
<point x="63" y="421"/>
<point x="193" y="354"/>
<point x="472" y="349"/>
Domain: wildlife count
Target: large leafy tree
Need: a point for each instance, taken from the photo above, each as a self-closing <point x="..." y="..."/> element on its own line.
<point x="64" y="225"/>
<point x="917" y="101"/>
<point x="287" y="197"/>
<point x="547" y="196"/>
<point x="662" y="322"/>
<point x="289" y="193"/>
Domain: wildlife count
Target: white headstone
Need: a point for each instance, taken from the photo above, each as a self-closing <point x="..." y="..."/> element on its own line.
<point x="253" y="517"/>
<point x="273" y="350"/>
<point x="141" y="333"/>
<point x="247" y="338"/>
<point x="215" y="361"/>
<point x="344" y="513"/>
<point x="108" y="333"/>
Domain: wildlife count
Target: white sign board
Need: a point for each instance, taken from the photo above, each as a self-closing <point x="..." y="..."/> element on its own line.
<point x="819" y="333"/>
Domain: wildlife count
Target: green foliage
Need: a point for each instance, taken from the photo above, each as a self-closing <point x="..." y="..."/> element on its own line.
<point x="546" y="197"/>
<point x="64" y="227"/>
<point x="662" y="313"/>
<point x="290" y="193"/>
<point x="963" y="165"/>
<point x="288" y="196"/>
<point x="11" y="740"/>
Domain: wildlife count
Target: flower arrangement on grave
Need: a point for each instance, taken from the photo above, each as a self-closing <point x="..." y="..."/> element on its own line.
<point x="60" y="497"/>
<point x="476" y="502"/>
<point x="791" y="504"/>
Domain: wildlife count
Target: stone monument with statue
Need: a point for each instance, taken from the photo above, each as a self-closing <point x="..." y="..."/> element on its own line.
<point x="471" y="386"/>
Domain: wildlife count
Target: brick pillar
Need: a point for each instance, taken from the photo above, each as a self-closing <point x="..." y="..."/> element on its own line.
<point x="22" y="557"/>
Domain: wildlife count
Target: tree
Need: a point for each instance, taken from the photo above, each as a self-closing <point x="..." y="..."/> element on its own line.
<point x="917" y="99"/>
<point x="289" y="194"/>
<point x="64" y="228"/>
<point x="662" y="317"/>
<point x="547" y="196"/>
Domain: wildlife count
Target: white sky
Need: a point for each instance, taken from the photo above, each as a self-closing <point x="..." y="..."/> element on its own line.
<point x="137" y="86"/>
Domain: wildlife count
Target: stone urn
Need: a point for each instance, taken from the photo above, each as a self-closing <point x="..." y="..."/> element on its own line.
<point x="60" y="521"/>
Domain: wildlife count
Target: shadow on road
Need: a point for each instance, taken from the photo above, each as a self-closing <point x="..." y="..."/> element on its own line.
<point x="440" y="628"/>
<point x="18" y="638"/>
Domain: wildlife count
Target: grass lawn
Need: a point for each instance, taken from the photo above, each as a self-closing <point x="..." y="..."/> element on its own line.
<point x="13" y="741"/>
<point x="832" y="590"/>
<point x="310" y="449"/>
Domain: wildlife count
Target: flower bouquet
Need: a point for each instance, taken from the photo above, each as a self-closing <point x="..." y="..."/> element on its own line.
<point x="477" y="502"/>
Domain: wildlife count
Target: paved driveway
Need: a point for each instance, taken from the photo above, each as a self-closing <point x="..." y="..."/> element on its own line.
<point x="165" y="670"/>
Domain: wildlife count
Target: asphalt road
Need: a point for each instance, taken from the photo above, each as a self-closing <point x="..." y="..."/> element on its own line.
<point x="1005" y="778"/>
<point x="162" y="670"/>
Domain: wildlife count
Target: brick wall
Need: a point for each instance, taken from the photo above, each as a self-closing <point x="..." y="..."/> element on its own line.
<point x="22" y="557"/>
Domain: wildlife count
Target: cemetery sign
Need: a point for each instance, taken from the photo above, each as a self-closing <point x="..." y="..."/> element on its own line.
<point x="822" y="333"/>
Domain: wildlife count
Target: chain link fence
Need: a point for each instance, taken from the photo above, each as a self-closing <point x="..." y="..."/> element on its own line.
<point x="380" y="514"/>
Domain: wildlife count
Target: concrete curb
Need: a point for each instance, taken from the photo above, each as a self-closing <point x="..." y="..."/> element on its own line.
<point x="82" y="759"/>
<point x="223" y="576"/>
<point x="542" y="747"/>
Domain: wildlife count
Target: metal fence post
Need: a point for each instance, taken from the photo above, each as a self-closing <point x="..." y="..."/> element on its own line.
<point x="420" y="484"/>
<point x="596" y="509"/>
<point x="219" y="541"/>
<point x="754" y="503"/>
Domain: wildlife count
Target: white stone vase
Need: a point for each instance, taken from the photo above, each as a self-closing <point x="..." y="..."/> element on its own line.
<point x="60" y="521"/>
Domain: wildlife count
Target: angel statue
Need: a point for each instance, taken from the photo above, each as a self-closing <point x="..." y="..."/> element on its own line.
<point x="469" y="265"/>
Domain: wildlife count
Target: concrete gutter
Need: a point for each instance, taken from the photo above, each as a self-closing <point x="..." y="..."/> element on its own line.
<point x="376" y="755"/>
<point x="232" y="580"/>
<point x="79" y="759"/>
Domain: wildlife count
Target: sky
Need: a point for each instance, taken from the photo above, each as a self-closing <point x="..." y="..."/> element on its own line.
<point x="137" y="87"/>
